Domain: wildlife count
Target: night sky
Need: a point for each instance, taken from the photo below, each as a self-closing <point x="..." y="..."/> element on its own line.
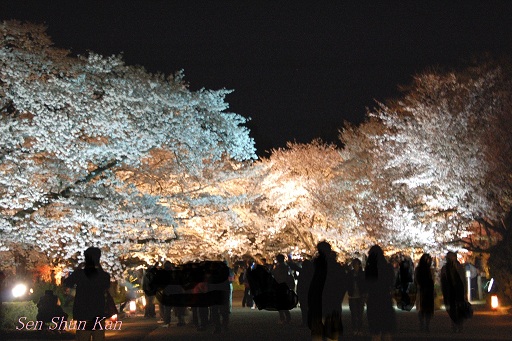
<point x="298" y="70"/>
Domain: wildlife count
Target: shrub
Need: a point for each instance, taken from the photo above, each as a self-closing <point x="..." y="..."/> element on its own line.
<point x="12" y="311"/>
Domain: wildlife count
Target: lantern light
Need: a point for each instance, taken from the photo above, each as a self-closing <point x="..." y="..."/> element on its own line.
<point x="133" y="306"/>
<point x="494" y="302"/>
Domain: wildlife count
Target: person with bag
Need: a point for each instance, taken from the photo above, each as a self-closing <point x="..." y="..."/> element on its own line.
<point x="92" y="284"/>
<point x="282" y="274"/>
<point x="454" y="292"/>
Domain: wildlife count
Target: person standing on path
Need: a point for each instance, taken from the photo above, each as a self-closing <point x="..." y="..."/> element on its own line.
<point x="221" y="280"/>
<point x="326" y="292"/>
<point x="356" y="295"/>
<point x="303" y="283"/>
<point x="91" y="283"/>
<point x="380" y="279"/>
<point x="243" y="280"/>
<point x="452" y="285"/>
<point x="424" y="279"/>
<point x="282" y="274"/>
<point x="405" y="272"/>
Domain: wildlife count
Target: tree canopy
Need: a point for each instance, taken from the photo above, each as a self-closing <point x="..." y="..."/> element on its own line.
<point x="75" y="129"/>
<point x="95" y="152"/>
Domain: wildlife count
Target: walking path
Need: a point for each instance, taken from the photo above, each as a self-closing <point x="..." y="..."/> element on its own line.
<point x="248" y="324"/>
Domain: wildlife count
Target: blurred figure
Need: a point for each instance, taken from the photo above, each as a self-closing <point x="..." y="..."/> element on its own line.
<point x="149" y="309"/>
<point x="404" y="280"/>
<point x="167" y="309"/>
<point x="452" y="285"/>
<point x="326" y="293"/>
<point x="379" y="279"/>
<point x="91" y="284"/>
<point x="303" y="284"/>
<point x="356" y="295"/>
<point x="200" y="314"/>
<point x="282" y="274"/>
<point x="221" y="311"/>
<point x="424" y="279"/>
<point x="266" y="265"/>
<point x="49" y="307"/>
<point x="247" y="298"/>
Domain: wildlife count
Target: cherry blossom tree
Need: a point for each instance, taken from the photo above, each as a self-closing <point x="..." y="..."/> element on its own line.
<point x="439" y="164"/>
<point x="299" y="204"/>
<point x="77" y="137"/>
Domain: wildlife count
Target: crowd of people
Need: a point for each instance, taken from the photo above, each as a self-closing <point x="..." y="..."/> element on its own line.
<point x="320" y="283"/>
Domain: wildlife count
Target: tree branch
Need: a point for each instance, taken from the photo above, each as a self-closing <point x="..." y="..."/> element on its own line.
<point x="65" y="193"/>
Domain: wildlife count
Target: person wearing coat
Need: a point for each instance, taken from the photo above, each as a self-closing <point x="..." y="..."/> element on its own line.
<point x="282" y="274"/>
<point x="379" y="279"/>
<point x="303" y="283"/>
<point x="453" y="288"/>
<point x="424" y="280"/>
<point x="91" y="283"/>
<point x="356" y="290"/>
<point x="326" y="292"/>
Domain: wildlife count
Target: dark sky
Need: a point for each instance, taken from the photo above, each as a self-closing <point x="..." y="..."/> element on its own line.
<point x="298" y="70"/>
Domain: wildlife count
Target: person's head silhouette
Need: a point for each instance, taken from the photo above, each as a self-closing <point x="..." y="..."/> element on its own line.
<point x="92" y="256"/>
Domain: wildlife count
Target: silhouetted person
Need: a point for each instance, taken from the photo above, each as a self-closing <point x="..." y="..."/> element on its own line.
<point x="282" y="274"/>
<point x="326" y="293"/>
<point x="243" y="280"/>
<point x="201" y="313"/>
<point x="91" y="284"/>
<point x="169" y="290"/>
<point x="303" y="283"/>
<point x="149" y="309"/>
<point x="380" y="279"/>
<point x="452" y="285"/>
<point x="221" y="311"/>
<point x="405" y="279"/>
<point x="49" y="307"/>
<point x="424" y="279"/>
<point x="356" y="290"/>
<point x="167" y="309"/>
<point x="264" y="263"/>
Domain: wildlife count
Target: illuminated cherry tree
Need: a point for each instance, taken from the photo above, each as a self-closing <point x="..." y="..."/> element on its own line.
<point x="212" y="210"/>
<point x="432" y="164"/>
<point x="78" y="134"/>
<point x="298" y="204"/>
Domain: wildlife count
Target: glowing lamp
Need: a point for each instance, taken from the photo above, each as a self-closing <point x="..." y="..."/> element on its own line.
<point x="143" y="300"/>
<point x="133" y="306"/>
<point x="113" y="317"/>
<point x="19" y="290"/>
<point x="494" y="302"/>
